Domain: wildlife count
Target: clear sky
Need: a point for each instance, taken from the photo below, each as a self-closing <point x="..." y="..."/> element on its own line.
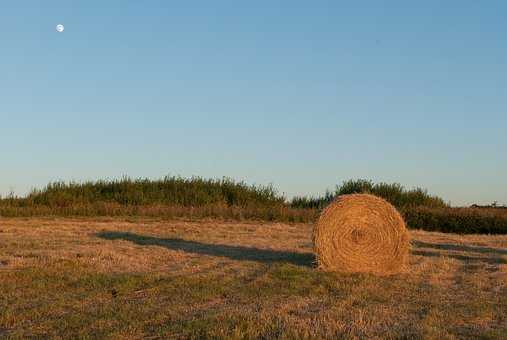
<point x="301" y="94"/>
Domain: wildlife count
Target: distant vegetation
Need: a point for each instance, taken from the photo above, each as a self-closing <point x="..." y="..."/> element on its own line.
<point x="458" y="220"/>
<point x="168" y="197"/>
<point x="196" y="197"/>
<point x="195" y="191"/>
<point x="420" y="209"/>
<point x="395" y="193"/>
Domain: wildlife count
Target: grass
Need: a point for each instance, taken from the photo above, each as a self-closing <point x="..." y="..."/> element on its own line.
<point x="457" y="220"/>
<point x="121" y="278"/>
<point x="394" y="193"/>
<point x="280" y="213"/>
<point x="170" y="190"/>
<point x="169" y="197"/>
<point x="198" y="198"/>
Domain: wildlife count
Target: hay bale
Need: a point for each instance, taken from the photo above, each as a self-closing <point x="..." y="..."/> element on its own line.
<point x="361" y="233"/>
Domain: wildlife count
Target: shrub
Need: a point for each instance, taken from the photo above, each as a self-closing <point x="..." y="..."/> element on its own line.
<point x="394" y="193"/>
<point x="308" y="202"/>
<point x="179" y="191"/>
<point x="457" y="220"/>
<point x="197" y="197"/>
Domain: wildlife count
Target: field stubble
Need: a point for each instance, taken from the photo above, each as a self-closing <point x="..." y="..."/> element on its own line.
<point x="112" y="277"/>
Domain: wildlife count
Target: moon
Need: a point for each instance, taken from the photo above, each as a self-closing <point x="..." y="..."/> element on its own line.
<point x="60" y="28"/>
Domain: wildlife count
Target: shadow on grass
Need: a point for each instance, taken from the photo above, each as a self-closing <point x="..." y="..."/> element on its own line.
<point x="459" y="247"/>
<point x="233" y="252"/>
<point x="489" y="260"/>
<point x="428" y="251"/>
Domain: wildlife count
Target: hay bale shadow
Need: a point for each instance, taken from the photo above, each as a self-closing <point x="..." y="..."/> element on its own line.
<point x="239" y="253"/>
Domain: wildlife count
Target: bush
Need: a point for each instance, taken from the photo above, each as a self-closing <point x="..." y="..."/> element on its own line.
<point x="394" y="193"/>
<point x="195" y="191"/>
<point x="169" y="197"/>
<point x="457" y="220"/>
<point x="308" y="202"/>
<point x="196" y="197"/>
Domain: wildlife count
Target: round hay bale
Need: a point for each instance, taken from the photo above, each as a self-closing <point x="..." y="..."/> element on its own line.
<point x="361" y="233"/>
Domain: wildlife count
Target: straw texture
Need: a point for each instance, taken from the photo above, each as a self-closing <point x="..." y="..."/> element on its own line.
<point x="361" y="233"/>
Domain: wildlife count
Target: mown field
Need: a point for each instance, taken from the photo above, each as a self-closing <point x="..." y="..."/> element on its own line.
<point x="154" y="278"/>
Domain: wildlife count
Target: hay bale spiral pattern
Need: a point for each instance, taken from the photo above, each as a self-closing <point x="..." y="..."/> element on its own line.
<point x="361" y="233"/>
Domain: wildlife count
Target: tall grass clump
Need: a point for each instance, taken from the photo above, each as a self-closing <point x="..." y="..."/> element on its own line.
<point x="312" y="202"/>
<point x="394" y="193"/>
<point x="195" y="191"/>
<point x="169" y="197"/>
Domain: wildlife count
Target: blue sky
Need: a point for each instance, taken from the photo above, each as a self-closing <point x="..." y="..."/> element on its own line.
<point x="301" y="94"/>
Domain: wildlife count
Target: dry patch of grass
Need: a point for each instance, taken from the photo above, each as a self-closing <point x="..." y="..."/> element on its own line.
<point x="147" y="278"/>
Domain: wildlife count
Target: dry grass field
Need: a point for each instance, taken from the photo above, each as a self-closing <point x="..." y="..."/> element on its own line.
<point x="117" y="278"/>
